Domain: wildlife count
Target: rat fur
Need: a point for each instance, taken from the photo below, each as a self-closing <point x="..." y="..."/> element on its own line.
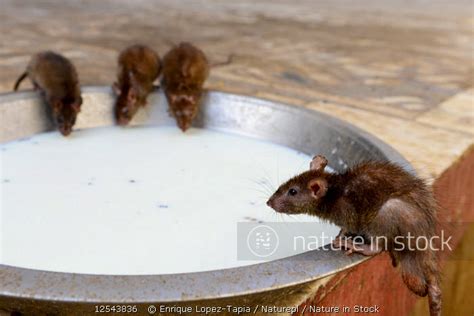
<point x="138" y="67"/>
<point x="55" y="77"/>
<point x="185" y="69"/>
<point x="372" y="199"/>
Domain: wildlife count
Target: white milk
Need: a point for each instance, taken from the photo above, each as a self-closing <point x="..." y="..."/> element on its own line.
<point x="136" y="200"/>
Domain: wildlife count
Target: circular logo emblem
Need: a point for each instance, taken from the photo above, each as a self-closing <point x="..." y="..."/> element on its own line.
<point x="262" y="241"/>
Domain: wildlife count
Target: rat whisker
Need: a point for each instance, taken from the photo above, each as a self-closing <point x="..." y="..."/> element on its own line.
<point x="266" y="176"/>
<point x="278" y="170"/>
<point x="268" y="180"/>
<point x="262" y="191"/>
<point x="295" y="218"/>
<point x="263" y="186"/>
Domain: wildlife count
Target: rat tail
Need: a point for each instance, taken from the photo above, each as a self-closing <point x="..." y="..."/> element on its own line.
<point x="229" y="61"/>
<point x="19" y="80"/>
<point x="433" y="281"/>
<point x="421" y="275"/>
<point x="434" y="296"/>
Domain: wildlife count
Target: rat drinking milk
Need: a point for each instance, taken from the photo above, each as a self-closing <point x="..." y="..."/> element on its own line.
<point x="138" y="67"/>
<point x="185" y="69"/>
<point x="55" y="77"/>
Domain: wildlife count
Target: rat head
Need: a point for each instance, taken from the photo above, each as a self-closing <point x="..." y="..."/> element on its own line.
<point x="127" y="104"/>
<point x="184" y="107"/>
<point x="303" y="193"/>
<point x="65" y="113"/>
<point x="129" y="99"/>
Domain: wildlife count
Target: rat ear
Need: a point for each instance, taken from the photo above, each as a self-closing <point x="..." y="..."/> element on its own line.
<point x="172" y="98"/>
<point x="318" y="187"/>
<point x="116" y="88"/>
<point x="318" y="163"/>
<point x="76" y="106"/>
<point x="132" y="95"/>
<point x="56" y="106"/>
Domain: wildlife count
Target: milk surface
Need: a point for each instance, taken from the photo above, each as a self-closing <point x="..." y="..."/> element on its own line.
<point x="147" y="200"/>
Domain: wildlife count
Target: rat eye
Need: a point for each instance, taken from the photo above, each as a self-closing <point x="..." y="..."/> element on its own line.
<point x="292" y="192"/>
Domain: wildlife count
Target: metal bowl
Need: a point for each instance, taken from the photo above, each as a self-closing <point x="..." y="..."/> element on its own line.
<point x="40" y="292"/>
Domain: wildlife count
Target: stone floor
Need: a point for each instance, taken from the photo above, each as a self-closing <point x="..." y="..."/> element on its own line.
<point x="401" y="69"/>
<point x="389" y="57"/>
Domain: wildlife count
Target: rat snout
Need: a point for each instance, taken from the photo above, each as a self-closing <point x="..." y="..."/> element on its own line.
<point x="122" y="114"/>
<point x="277" y="204"/>
<point x="123" y="121"/>
<point x="184" y="123"/>
<point x="65" y="131"/>
<point x="271" y="202"/>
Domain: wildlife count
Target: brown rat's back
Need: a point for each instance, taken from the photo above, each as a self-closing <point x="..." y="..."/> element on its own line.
<point x="366" y="188"/>
<point x="143" y="61"/>
<point x="377" y="181"/>
<point x="185" y="67"/>
<point x="54" y="74"/>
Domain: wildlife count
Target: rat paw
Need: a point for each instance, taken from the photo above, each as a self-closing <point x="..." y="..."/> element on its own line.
<point x="348" y="245"/>
<point x="367" y="250"/>
<point x="338" y="242"/>
<point x="342" y="233"/>
<point x="344" y="243"/>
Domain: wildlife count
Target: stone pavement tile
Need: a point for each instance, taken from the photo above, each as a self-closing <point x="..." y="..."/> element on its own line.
<point x="456" y="113"/>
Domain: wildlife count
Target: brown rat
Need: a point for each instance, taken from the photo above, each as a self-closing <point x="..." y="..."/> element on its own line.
<point x="185" y="69"/>
<point x="139" y="67"/>
<point x="56" y="79"/>
<point x="372" y="199"/>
